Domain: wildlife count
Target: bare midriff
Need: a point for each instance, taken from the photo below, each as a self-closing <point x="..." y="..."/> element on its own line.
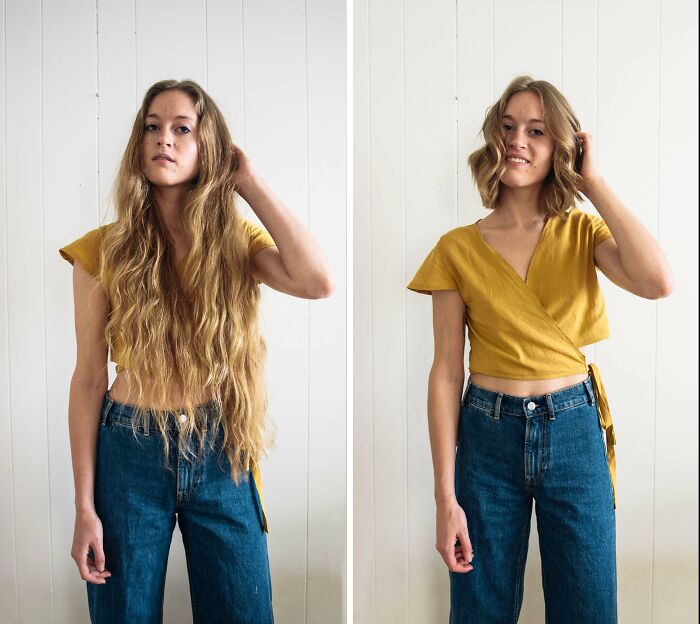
<point x="120" y="392"/>
<point x="526" y="387"/>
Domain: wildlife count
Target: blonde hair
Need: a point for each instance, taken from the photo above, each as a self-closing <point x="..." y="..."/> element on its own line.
<point x="201" y="329"/>
<point x="561" y="188"/>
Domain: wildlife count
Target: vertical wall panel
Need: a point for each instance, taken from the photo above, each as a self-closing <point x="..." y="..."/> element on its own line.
<point x="674" y="586"/>
<point x="363" y="556"/>
<point x="430" y="137"/>
<point x="626" y="81"/>
<point x="474" y="79"/>
<point x="622" y="114"/>
<point x="225" y="79"/>
<point x="69" y="148"/>
<point x="387" y="196"/>
<point x="24" y="169"/>
<point x="519" y="46"/>
<point x="8" y="568"/>
<point x="326" y="48"/>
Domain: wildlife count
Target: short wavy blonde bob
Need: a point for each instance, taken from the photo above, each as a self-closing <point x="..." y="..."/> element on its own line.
<point x="561" y="188"/>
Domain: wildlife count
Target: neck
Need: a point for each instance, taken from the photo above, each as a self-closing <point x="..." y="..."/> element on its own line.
<point x="520" y="207"/>
<point x="169" y="202"/>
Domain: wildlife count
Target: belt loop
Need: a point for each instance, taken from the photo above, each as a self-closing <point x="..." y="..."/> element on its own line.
<point x="464" y="396"/>
<point x="589" y="391"/>
<point x="497" y="409"/>
<point x="147" y="422"/>
<point x="550" y="406"/>
<point x="105" y="409"/>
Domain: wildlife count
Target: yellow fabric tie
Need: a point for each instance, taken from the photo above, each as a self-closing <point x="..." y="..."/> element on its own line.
<point x="258" y="485"/>
<point x="605" y="422"/>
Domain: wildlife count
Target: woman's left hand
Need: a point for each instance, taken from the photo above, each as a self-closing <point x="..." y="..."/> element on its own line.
<point x="244" y="170"/>
<point x="589" y="171"/>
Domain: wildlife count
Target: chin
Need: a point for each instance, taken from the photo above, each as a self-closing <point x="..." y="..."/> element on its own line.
<point x="519" y="181"/>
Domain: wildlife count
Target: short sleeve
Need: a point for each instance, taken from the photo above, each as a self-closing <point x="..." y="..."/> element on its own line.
<point x="600" y="230"/>
<point x="86" y="250"/>
<point x="435" y="273"/>
<point x="258" y="238"/>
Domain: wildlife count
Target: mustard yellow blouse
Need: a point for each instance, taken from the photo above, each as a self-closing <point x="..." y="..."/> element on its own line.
<point x="533" y="328"/>
<point x="86" y="251"/>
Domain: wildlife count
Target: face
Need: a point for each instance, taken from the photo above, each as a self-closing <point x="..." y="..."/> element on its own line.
<point x="170" y="128"/>
<point x="525" y="138"/>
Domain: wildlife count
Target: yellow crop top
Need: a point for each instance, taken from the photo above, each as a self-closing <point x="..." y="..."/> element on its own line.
<point x="86" y="251"/>
<point x="529" y="329"/>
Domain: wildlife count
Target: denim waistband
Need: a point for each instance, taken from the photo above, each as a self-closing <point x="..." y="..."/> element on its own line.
<point x="526" y="407"/>
<point x="123" y="413"/>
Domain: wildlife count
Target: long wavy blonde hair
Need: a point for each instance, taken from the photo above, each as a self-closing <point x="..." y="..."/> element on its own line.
<point x="199" y="329"/>
<point x="561" y="188"/>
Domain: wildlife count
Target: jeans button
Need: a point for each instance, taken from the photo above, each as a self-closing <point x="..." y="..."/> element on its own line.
<point x="183" y="418"/>
<point x="531" y="405"/>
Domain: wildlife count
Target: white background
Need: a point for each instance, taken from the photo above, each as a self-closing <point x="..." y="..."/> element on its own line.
<point x="72" y="77"/>
<point x="424" y="75"/>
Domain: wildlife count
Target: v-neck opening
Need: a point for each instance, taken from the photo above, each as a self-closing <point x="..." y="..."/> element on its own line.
<point x="504" y="261"/>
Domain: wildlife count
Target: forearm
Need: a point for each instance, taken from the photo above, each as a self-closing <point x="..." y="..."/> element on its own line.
<point x="84" y="408"/>
<point x="641" y="256"/>
<point x="444" y="394"/>
<point x="301" y="255"/>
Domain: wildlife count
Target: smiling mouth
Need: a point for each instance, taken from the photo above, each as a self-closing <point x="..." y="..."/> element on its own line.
<point x="519" y="161"/>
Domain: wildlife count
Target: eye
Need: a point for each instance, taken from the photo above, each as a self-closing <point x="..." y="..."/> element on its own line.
<point x="185" y="127"/>
<point x="508" y="128"/>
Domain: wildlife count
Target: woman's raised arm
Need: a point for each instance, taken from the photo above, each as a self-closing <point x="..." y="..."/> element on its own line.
<point x="296" y="265"/>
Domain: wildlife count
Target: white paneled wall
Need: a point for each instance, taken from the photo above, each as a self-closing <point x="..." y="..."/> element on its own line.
<point x="73" y="76"/>
<point x="424" y="76"/>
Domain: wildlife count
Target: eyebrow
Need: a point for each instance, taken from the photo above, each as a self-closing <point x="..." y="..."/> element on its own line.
<point x="531" y="120"/>
<point x="178" y="117"/>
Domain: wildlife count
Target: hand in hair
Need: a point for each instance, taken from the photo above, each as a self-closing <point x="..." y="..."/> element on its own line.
<point x="589" y="171"/>
<point x="244" y="169"/>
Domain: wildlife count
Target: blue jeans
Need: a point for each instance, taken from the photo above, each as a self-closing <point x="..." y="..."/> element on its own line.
<point x="550" y="448"/>
<point x="138" y="500"/>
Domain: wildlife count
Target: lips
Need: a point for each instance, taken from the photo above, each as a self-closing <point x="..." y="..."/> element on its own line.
<point x="520" y="157"/>
<point x="163" y="157"/>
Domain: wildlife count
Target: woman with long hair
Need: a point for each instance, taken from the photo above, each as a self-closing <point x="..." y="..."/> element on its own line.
<point x="533" y="422"/>
<point x="170" y="289"/>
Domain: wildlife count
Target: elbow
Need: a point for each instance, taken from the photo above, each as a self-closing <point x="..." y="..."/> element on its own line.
<point x="320" y="288"/>
<point x="662" y="288"/>
<point x="666" y="290"/>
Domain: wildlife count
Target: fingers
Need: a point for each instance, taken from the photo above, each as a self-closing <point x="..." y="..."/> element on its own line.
<point x="99" y="557"/>
<point x="447" y="552"/>
<point x="465" y="546"/>
<point x="89" y="568"/>
<point x="463" y="553"/>
<point x="455" y="557"/>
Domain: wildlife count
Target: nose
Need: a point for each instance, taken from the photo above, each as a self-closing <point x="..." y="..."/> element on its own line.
<point x="517" y="137"/>
<point x="164" y="137"/>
